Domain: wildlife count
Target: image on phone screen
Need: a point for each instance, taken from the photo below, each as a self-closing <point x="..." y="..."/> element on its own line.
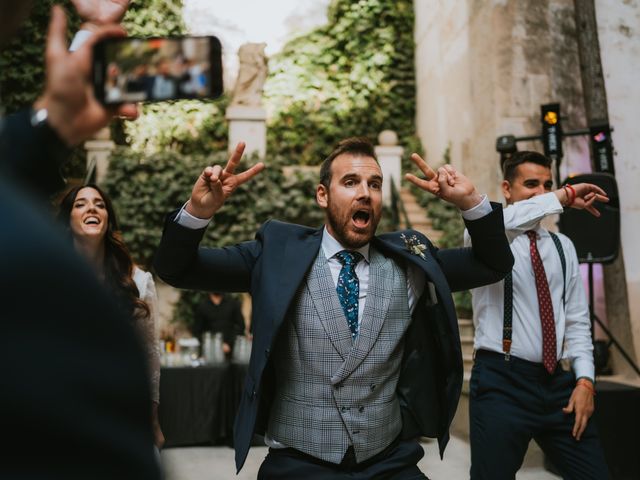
<point x="157" y="69"/>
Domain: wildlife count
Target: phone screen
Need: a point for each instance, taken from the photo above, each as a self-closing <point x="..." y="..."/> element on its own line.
<point x="157" y="69"/>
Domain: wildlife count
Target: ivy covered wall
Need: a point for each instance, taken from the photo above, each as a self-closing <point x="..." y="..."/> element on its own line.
<point x="22" y="59"/>
<point x="353" y="76"/>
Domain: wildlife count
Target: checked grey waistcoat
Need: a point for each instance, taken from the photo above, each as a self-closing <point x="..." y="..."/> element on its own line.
<point x="331" y="391"/>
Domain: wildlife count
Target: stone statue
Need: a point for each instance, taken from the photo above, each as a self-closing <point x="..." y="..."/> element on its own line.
<point x="251" y="75"/>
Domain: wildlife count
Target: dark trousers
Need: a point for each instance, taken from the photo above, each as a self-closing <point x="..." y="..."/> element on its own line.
<point x="396" y="462"/>
<point x="512" y="402"/>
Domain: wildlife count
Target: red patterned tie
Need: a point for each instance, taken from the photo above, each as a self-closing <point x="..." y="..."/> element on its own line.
<point x="549" y="357"/>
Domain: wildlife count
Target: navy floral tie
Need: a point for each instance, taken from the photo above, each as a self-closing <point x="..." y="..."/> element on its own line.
<point x="348" y="288"/>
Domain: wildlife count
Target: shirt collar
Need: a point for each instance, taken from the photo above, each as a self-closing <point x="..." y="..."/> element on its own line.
<point x="331" y="246"/>
<point x="541" y="232"/>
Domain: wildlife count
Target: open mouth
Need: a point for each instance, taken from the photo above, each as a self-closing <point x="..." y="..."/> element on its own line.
<point x="92" y="221"/>
<point x="361" y="218"/>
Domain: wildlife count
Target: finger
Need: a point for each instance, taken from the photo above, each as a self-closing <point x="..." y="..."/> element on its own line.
<point x="569" y="407"/>
<point x="601" y="198"/>
<point x="593" y="211"/>
<point x="250" y="173"/>
<point x="430" y="186"/>
<point x="445" y="178"/>
<point x="216" y="171"/>
<point x="583" y="425"/>
<point x="451" y="175"/>
<point x="57" y="36"/>
<point x="597" y="189"/>
<point x="422" y="165"/>
<point x="450" y="170"/>
<point x="576" y="427"/>
<point x="235" y="158"/>
<point x="128" y="111"/>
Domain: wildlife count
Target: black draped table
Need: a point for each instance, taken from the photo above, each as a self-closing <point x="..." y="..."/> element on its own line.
<point x="198" y="404"/>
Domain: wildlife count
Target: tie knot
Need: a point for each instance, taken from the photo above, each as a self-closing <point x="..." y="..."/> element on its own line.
<point x="348" y="257"/>
<point x="533" y="236"/>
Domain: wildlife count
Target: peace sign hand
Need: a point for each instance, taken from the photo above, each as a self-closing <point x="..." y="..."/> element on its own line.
<point x="216" y="184"/>
<point x="447" y="183"/>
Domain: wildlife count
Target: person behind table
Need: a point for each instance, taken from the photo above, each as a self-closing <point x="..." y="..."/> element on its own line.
<point x="88" y="213"/>
<point x="219" y="312"/>
<point x="518" y="391"/>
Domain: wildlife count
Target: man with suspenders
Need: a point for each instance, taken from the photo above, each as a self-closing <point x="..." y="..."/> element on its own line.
<point x="524" y="325"/>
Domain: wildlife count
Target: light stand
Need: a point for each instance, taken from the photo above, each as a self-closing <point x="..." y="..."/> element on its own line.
<point x="594" y="319"/>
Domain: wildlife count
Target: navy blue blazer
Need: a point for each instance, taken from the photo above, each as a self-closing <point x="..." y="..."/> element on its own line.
<point x="273" y="266"/>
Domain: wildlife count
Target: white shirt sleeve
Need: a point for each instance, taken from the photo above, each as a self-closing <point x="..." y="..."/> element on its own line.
<point x="187" y="220"/>
<point x="525" y="215"/>
<point x="479" y="211"/>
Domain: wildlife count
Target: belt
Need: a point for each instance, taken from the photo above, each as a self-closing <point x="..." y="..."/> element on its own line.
<point x="531" y="369"/>
<point x="348" y="463"/>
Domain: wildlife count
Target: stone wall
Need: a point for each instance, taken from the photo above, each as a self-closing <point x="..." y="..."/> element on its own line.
<point x="619" y="36"/>
<point x="484" y="67"/>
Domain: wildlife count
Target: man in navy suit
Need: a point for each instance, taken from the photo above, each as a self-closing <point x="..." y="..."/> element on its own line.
<point x="356" y="349"/>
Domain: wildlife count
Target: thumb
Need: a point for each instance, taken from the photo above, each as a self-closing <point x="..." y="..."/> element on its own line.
<point x="569" y="408"/>
<point x="56" y="37"/>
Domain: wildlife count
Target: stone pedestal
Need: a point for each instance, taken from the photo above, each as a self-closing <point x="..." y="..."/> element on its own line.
<point x="248" y="124"/>
<point x="99" y="149"/>
<point x="390" y="158"/>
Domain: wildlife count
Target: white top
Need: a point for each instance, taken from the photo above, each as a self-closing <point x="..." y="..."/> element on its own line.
<point x="573" y="326"/>
<point x="147" y="328"/>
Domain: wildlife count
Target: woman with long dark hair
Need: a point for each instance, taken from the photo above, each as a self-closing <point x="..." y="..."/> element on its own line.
<point x="88" y="213"/>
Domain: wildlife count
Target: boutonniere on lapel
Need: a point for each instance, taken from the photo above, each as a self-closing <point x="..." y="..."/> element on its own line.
<point x="415" y="246"/>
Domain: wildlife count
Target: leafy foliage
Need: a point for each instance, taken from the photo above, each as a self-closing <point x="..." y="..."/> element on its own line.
<point x="22" y="59"/>
<point x="154" y="18"/>
<point x="187" y="126"/>
<point x="354" y="76"/>
<point x="145" y="187"/>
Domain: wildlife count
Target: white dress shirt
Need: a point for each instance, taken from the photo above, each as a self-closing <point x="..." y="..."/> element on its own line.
<point x="573" y="326"/>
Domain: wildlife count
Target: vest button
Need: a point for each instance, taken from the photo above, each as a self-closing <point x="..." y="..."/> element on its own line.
<point x="373" y="387"/>
<point x="361" y="409"/>
<point x="266" y="353"/>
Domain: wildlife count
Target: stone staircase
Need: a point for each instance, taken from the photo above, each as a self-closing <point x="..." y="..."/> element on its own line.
<point x="421" y="222"/>
<point x="418" y="217"/>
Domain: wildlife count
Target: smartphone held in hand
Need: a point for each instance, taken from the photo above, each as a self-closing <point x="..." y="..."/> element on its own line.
<point x="156" y="69"/>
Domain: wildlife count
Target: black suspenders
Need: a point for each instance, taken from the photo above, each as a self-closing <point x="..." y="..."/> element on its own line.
<point x="507" y="328"/>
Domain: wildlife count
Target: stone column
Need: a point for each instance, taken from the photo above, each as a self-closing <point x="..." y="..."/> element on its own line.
<point x="390" y="158"/>
<point x="99" y="149"/>
<point x="248" y="124"/>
